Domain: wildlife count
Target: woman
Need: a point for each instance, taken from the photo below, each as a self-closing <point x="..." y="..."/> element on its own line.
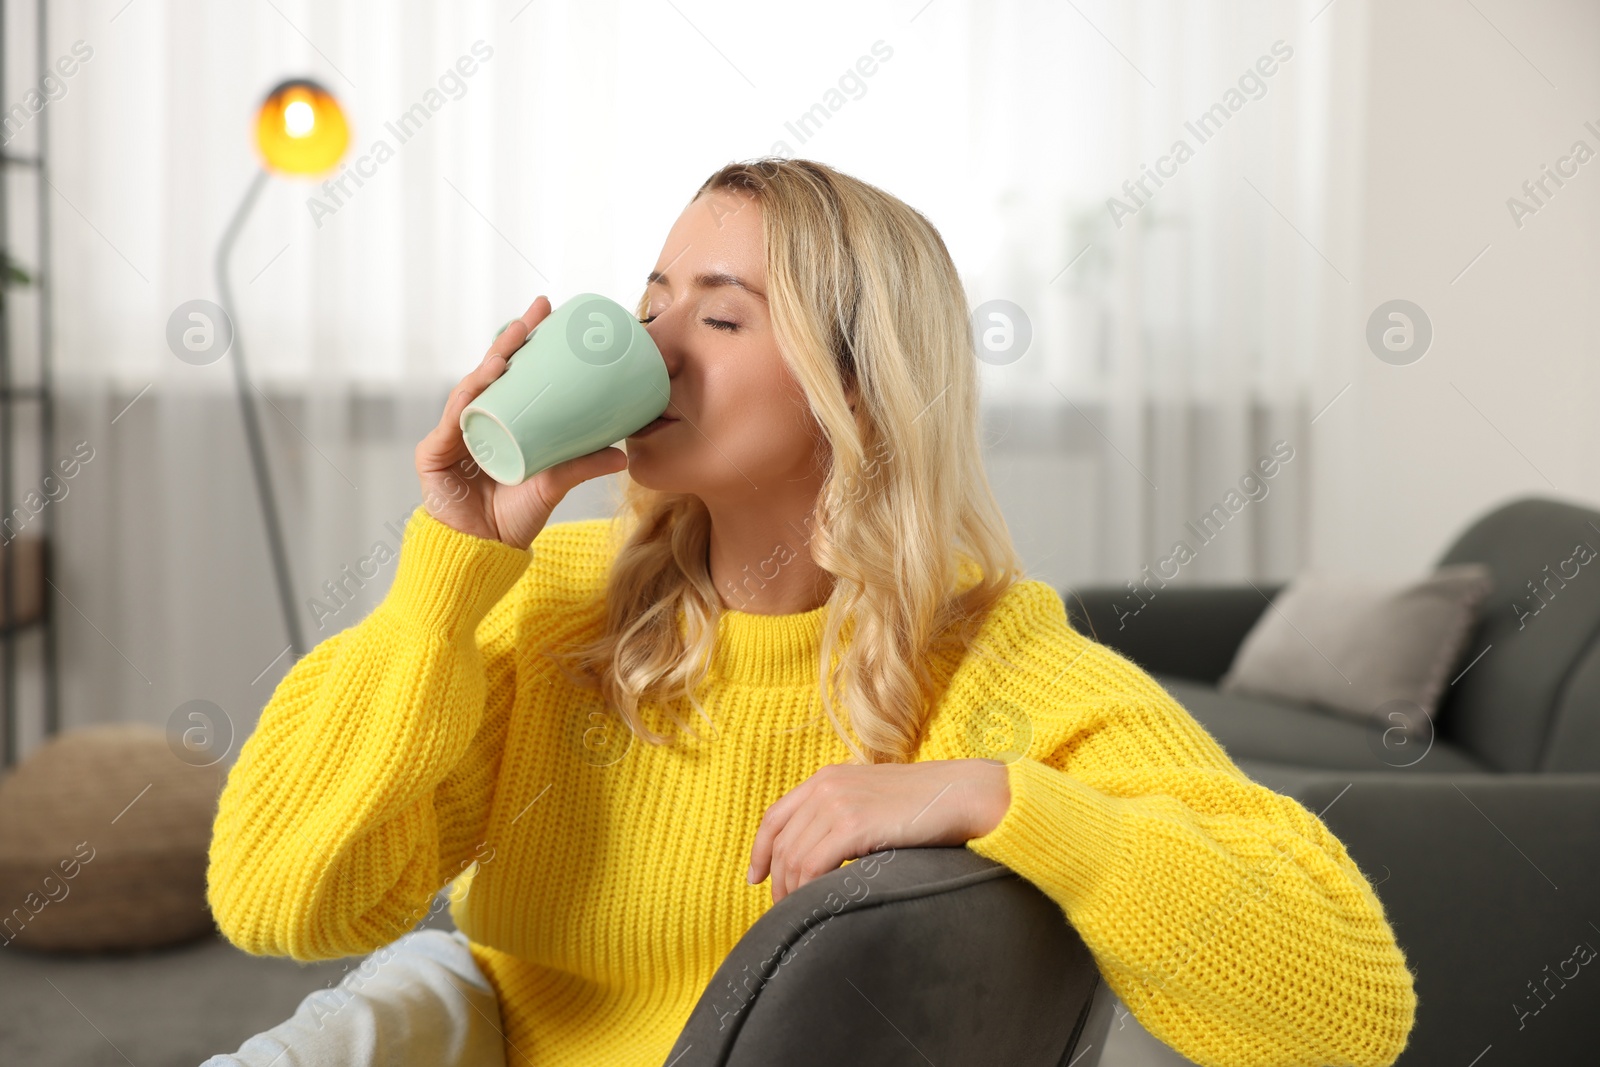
<point x="789" y="649"/>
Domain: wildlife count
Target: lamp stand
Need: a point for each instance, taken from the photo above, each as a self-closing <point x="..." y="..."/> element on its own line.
<point x="252" y="428"/>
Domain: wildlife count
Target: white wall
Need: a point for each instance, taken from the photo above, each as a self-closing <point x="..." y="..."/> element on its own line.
<point x="1456" y="120"/>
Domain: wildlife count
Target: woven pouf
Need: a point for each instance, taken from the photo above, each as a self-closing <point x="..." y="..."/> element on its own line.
<point x="103" y="839"/>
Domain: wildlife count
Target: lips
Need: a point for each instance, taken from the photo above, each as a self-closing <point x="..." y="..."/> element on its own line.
<point x="656" y="423"/>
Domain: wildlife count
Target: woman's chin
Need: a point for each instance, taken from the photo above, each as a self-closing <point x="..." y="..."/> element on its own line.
<point x="649" y="469"/>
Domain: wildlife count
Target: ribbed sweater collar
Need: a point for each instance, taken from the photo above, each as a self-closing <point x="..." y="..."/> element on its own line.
<point x="769" y="650"/>
<point x="783" y="650"/>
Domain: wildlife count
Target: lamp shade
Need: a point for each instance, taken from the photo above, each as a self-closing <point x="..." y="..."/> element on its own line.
<point x="300" y="128"/>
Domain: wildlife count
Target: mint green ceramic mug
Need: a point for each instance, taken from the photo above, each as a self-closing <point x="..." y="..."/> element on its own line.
<point x="586" y="377"/>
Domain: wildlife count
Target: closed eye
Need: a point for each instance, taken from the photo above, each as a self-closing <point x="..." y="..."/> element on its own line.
<point x="715" y="324"/>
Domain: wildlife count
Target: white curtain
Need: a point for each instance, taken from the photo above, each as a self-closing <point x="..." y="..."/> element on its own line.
<point x="1182" y="327"/>
<point x="1167" y="354"/>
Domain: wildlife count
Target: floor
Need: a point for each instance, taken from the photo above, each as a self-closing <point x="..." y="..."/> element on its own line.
<point x="170" y="1007"/>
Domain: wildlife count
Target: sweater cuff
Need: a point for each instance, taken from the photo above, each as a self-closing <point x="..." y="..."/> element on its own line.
<point x="446" y="581"/>
<point x="1065" y="837"/>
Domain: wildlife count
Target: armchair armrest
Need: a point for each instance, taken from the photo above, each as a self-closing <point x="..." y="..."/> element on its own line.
<point x="902" y="957"/>
<point x="1492" y="886"/>
<point x="1181" y="631"/>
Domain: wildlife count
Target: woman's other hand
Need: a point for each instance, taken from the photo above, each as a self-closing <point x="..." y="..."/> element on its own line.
<point x="845" y="811"/>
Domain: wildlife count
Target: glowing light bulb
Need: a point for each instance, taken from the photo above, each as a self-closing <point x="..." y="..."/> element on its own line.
<point x="299" y="119"/>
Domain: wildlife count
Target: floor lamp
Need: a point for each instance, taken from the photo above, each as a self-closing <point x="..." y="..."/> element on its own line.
<point x="300" y="131"/>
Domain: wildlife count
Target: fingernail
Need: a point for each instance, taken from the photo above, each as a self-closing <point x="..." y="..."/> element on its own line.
<point x="750" y="875"/>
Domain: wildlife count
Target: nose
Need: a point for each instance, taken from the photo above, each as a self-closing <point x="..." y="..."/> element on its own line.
<point x="664" y="334"/>
<point x="665" y="338"/>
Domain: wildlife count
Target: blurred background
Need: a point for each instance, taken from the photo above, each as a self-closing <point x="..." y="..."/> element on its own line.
<point x="1166" y="355"/>
<point x="1158" y="320"/>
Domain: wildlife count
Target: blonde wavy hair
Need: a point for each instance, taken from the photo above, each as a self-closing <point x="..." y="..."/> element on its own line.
<point x="863" y="297"/>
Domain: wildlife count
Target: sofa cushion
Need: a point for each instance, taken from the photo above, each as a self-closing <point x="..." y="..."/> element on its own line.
<point x="1259" y="729"/>
<point x="1354" y="645"/>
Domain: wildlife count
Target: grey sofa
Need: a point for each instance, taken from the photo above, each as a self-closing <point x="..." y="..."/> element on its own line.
<point x="1484" y="847"/>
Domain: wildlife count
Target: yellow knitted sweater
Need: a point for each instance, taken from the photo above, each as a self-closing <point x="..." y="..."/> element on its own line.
<point x="600" y="892"/>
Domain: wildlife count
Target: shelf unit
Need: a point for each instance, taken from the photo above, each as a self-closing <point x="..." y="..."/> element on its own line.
<point x="14" y="396"/>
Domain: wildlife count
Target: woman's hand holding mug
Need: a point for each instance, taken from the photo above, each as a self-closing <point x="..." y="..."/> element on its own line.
<point x="457" y="493"/>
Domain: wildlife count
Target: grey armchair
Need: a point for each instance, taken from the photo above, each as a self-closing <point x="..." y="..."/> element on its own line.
<point x="1485" y="846"/>
<point x="913" y="956"/>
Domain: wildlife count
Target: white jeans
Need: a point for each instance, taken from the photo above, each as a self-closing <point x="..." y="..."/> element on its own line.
<point x="421" y="1000"/>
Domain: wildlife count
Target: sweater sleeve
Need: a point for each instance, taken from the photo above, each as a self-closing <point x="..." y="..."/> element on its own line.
<point x="1226" y="916"/>
<point x="366" y="784"/>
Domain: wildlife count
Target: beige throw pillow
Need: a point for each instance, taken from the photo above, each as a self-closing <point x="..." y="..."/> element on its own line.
<point x="1354" y="646"/>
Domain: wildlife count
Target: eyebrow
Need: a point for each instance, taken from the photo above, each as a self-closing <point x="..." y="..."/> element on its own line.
<point x="709" y="280"/>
